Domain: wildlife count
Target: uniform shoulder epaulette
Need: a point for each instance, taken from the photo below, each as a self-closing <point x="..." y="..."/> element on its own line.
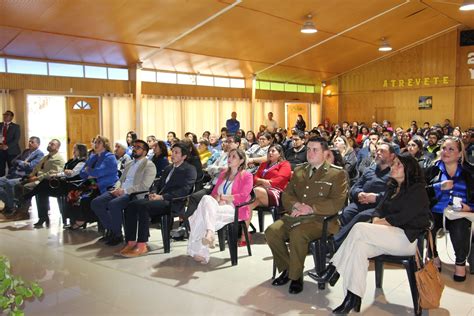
<point x="336" y="167"/>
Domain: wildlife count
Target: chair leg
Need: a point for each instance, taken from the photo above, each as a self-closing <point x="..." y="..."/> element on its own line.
<point x="261" y="220"/>
<point x="165" y="232"/>
<point x="410" y="266"/>
<point x="247" y="239"/>
<point x="320" y="260"/>
<point x="221" y="237"/>
<point x="378" y="273"/>
<point x="274" y="270"/>
<point x="232" y="242"/>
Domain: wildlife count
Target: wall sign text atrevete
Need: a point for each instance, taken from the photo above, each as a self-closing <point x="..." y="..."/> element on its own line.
<point x="416" y="82"/>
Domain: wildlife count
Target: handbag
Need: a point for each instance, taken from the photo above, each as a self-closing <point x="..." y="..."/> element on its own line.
<point x="428" y="281"/>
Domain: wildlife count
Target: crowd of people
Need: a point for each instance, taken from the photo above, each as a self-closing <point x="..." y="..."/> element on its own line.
<point x="382" y="181"/>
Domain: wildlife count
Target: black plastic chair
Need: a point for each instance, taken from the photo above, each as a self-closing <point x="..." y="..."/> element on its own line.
<point x="321" y="249"/>
<point x="409" y="262"/>
<point x="274" y="210"/>
<point x="231" y="230"/>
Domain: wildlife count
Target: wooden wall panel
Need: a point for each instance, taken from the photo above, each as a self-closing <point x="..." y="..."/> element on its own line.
<point x="363" y="98"/>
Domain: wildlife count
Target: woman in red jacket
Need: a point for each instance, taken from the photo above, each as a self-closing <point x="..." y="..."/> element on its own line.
<point x="270" y="180"/>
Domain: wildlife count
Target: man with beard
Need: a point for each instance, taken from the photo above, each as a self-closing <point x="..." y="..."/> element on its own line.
<point x="137" y="176"/>
<point x="48" y="166"/>
<point x="432" y="146"/>
<point x="367" y="192"/>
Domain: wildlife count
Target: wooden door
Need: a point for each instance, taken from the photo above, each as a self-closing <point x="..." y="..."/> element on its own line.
<point x="82" y="121"/>
<point x="292" y="112"/>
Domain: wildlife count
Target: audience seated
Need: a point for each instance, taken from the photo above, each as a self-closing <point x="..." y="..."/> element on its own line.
<point x="398" y="220"/>
<point x="203" y="150"/>
<point x="217" y="209"/>
<point x="177" y="181"/>
<point x="415" y="149"/>
<point x="193" y="159"/>
<point x="131" y="137"/>
<point x="100" y="174"/>
<point x="296" y="155"/>
<point x="388" y="138"/>
<point x="25" y="190"/>
<point x="349" y="156"/>
<point x="137" y="176"/>
<point x="366" y="155"/>
<point x="451" y="186"/>
<point x="270" y="180"/>
<point x="316" y="189"/>
<point x="151" y="141"/>
<point x="432" y="146"/>
<point x="366" y="193"/>
<point x="258" y="154"/>
<point x="121" y="156"/>
<point x="215" y="147"/>
<point x="48" y="187"/>
<point x="160" y="157"/>
<point x="21" y="166"/>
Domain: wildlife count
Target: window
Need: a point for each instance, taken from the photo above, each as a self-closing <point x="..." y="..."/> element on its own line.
<point x="205" y="80"/>
<point x="221" y="82"/>
<point x="310" y="89"/>
<point x="166" y="77"/>
<point x="301" y="88"/>
<point x="96" y="72"/>
<point x="118" y="74"/>
<point x="186" y="79"/>
<point x="277" y="86"/>
<point x="264" y="85"/>
<point x="18" y="66"/>
<point x="148" y="76"/>
<point x="66" y="70"/>
<point x="82" y="105"/>
<point x="237" y="83"/>
<point x="2" y="65"/>
<point x="291" y="87"/>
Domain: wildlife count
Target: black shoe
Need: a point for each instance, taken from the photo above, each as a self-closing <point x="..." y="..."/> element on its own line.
<point x="107" y="235"/>
<point x="296" y="286"/>
<point x="329" y="275"/>
<point x="77" y="226"/>
<point x="351" y="302"/>
<point x="40" y="222"/>
<point x="115" y="240"/>
<point x="282" y="279"/>
<point x="460" y="278"/>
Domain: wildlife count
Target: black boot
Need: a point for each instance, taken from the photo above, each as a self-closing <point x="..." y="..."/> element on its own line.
<point x="282" y="279"/>
<point x="41" y="222"/>
<point x="351" y="301"/>
<point x="329" y="275"/>
<point x="296" y="286"/>
<point x="106" y="237"/>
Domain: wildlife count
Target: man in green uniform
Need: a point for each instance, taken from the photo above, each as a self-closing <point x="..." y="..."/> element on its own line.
<point x="317" y="189"/>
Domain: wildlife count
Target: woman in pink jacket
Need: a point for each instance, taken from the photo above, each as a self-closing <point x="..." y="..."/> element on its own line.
<point x="216" y="210"/>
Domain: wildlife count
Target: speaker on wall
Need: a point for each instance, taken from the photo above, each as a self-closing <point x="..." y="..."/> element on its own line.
<point x="467" y="38"/>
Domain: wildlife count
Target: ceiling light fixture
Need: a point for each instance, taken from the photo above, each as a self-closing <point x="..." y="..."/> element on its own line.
<point x="467" y="5"/>
<point x="308" y="26"/>
<point x="384" y="46"/>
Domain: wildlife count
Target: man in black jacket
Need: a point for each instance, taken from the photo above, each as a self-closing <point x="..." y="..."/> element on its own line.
<point x="296" y="155"/>
<point x="367" y="192"/>
<point x="177" y="181"/>
<point x="9" y="138"/>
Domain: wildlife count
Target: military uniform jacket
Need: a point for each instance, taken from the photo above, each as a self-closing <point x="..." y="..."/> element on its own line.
<point x="325" y="191"/>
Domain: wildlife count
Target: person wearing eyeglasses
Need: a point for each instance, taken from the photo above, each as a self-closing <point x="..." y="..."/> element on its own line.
<point x="450" y="185"/>
<point x="137" y="176"/>
<point x="296" y="155"/>
<point x="257" y="155"/>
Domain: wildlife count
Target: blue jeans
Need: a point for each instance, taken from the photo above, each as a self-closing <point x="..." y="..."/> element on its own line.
<point x="7" y="191"/>
<point x="109" y="210"/>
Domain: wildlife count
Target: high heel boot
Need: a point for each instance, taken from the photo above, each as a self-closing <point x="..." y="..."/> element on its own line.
<point x="329" y="275"/>
<point x="351" y="302"/>
<point x="41" y="221"/>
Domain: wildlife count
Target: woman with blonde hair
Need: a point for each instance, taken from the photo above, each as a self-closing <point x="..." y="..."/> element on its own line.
<point x="349" y="155"/>
<point x="217" y="209"/>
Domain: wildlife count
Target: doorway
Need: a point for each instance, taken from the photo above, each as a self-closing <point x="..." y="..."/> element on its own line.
<point x="82" y="121"/>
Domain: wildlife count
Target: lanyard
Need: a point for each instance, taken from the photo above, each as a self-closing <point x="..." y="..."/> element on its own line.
<point x="226" y="185"/>
<point x="268" y="168"/>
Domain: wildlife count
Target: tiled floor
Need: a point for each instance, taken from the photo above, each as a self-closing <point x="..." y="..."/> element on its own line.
<point x="81" y="277"/>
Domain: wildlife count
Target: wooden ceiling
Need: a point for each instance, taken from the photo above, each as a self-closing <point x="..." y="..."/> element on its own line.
<point x="254" y="37"/>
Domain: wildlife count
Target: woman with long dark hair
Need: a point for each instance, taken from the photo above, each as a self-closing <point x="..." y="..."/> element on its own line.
<point x="131" y="137"/>
<point x="300" y="124"/>
<point x="398" y="220"/>
<point x="160" y="157"/>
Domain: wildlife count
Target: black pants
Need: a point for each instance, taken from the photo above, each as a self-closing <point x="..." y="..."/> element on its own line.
<point x="138" y="213"/>
<point x="351" y="215"/>
<point x="460" y="234"/>
<point x="43" y="191"/>
<point x="5" y="160"/>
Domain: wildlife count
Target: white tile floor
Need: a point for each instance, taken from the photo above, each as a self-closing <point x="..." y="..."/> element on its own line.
<point x="81" y="277"/>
